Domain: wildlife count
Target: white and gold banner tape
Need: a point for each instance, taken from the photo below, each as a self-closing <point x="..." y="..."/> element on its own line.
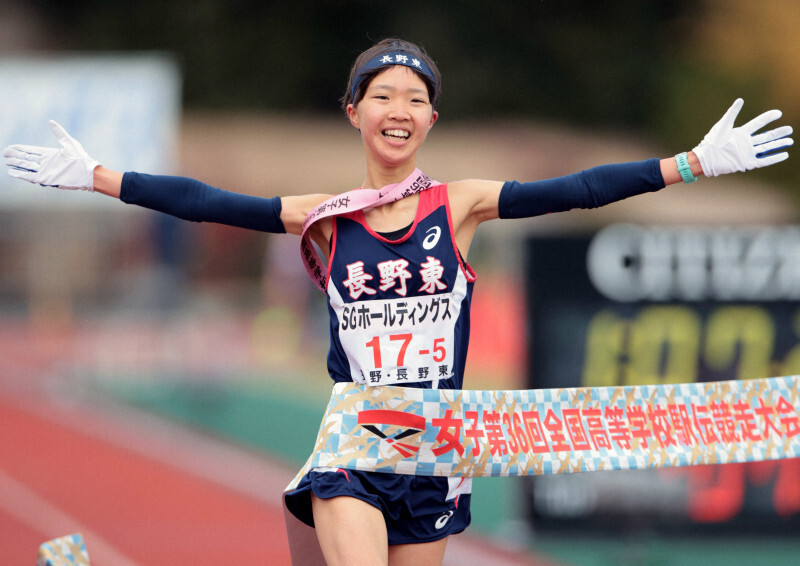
<point x="554" y="431"/>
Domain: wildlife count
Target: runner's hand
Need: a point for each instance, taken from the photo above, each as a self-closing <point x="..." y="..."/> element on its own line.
<point x="726" y="149"/>
<point x="67" y="168"/>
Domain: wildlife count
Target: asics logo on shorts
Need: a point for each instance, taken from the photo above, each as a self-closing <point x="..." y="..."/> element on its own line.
<point x="432" y="238"/>
<point x="442" y="521"/>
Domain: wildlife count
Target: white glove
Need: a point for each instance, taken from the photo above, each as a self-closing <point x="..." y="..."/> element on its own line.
<point x="726" y="149"/>
<point x="67" y="168"/>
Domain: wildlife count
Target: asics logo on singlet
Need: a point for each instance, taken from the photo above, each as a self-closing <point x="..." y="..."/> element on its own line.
<point x="432" y="238"/>
<point x="442" y="521"/>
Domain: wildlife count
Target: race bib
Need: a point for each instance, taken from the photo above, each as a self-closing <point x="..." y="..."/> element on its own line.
<point x="398" y="341"/>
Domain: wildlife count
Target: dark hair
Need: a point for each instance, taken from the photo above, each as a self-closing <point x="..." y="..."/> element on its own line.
<point x="383" y="47"/>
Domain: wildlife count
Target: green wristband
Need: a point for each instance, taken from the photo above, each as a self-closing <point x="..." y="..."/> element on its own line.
<point x="684" y="169"/>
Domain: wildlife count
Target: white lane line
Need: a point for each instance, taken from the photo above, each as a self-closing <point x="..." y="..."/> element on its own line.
<point x="36" y="512"/>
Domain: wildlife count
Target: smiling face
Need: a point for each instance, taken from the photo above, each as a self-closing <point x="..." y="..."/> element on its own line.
<point x="394" y="118"/>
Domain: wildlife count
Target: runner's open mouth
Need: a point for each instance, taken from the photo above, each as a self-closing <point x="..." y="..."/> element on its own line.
<point x="396" y="134"/>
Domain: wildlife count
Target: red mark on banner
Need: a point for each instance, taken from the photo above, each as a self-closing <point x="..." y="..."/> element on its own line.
<point x="514" y="430"/>
<point x="791" y="422"/>
<point x="766" y="412"/>
<point x="704" y="424"/>
<point x="396" y="418"/>
<point x="533" y="425"/>
<point x="473" y="431"/>
<point x="618" y="427"/>
<point x="724" y="422"/>
<point x="638" y="424"/>
<point x="679" y="415"/>
<point x="494" y="433"/>
<point x="597" y="432"/>
<point x="410" y="425"/>
<point x="448" y="440"/>
<point x="554" y="428"/>
<point x="746" y="420"/>
<point x="662" y="428"/>
<point x="578" y="437"/>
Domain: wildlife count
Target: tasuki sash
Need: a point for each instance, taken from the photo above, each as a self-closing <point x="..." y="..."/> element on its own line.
<point x="351" y="201"/>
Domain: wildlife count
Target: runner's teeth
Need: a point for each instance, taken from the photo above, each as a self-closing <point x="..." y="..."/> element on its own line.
<point x="396" y="134"/>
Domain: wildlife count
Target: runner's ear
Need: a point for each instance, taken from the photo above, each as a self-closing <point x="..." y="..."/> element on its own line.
<point x="353" y="116"/>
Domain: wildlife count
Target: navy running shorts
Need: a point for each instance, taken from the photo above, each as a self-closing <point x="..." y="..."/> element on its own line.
<point x="416" y="508"/>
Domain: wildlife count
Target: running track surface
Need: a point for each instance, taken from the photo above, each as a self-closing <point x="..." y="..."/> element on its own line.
<point x="147" y="492"/>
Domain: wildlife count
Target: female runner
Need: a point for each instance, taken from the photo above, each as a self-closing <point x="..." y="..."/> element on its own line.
<point x="408" y="247"/>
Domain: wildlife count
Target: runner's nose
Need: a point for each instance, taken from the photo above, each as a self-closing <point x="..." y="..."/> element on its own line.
<point x="399" y="111"/>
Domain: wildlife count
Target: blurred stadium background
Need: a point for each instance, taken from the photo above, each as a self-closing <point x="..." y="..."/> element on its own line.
<point x="209" y="341"/>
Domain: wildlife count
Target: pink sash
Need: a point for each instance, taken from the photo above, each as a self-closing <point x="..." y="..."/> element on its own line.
<point x="351" y="201"/>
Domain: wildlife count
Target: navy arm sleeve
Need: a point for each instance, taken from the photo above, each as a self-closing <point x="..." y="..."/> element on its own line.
<point x="192" y="200"/>
<point x="590" y="188"/>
